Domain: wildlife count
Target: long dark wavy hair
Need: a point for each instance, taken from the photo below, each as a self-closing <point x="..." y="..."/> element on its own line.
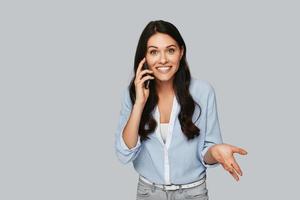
<point x="181" y="83"/>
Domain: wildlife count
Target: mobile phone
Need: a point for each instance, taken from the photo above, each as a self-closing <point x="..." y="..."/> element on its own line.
<point x="147" y="82"/>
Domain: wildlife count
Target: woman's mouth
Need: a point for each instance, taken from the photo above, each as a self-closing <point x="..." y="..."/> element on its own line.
<point x="164" y="69"/>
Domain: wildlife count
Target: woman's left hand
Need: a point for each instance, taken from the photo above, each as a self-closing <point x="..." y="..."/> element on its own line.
<point x="223" y="153"/>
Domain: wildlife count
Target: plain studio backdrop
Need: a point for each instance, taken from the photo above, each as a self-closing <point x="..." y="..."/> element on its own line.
<point x="64" y="66"/>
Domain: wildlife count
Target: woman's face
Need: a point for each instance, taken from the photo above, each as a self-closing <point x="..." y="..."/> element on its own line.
<point x="163" y="56"/>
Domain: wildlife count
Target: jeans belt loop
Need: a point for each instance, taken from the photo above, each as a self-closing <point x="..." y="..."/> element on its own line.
<point x="180" y="188"/>
<point x="153" y="187"/>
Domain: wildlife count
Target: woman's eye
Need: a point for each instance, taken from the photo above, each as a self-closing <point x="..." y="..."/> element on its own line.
<point x="151" y="52"/>
<point x="171" y="50"/>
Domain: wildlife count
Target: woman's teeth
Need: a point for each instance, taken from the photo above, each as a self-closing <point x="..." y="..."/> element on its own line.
<point x="163" y="69"/>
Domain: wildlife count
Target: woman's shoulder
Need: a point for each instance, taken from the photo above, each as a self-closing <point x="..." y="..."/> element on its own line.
<point x="200" y="86"/>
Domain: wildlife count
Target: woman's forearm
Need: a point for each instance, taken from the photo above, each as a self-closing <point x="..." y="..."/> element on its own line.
<point x="130" y="132"/>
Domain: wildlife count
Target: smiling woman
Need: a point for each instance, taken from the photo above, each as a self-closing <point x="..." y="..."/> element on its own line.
<point x="170" y="130"/>
<point x="163" y="56"/>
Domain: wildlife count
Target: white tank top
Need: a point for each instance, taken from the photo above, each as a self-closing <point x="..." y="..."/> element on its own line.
<point x="164" y="128"/>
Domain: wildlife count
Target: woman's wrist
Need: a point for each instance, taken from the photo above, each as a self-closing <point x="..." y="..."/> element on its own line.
<point x="139" y="105"/>
<point x="208" y="157"/>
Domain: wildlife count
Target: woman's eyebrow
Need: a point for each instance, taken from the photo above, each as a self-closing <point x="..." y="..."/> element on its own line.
<point x="166" y="46"/>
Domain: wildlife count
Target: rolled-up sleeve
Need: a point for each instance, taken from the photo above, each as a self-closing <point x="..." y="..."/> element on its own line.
<point x="124" y="154"/>
<point x="213" y="133"/>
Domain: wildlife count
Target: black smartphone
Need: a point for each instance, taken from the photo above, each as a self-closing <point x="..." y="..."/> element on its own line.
<point x="147" y="82"/>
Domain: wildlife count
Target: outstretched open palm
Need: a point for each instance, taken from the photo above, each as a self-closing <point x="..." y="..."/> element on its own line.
<point x="223" y="153"/>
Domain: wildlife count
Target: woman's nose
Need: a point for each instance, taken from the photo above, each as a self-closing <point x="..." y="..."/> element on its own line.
<point x="163" y="58"/>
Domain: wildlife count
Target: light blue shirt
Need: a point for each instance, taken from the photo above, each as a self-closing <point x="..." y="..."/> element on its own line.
<point x="177" y="161"/>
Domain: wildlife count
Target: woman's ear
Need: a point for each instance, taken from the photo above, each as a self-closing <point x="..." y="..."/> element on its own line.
<point x="182" y="51"/>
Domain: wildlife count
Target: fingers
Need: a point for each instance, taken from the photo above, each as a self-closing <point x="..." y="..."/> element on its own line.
<point x="228" y="167"/>
<point x="228" y="161"/>
<point x="234" y="174"/>
<point x="146" y="78"/>
<point x="237" y="168"/>
<point x="141" y="72"/>
<point x="233" y="168"/>
<point x="140" y="66"/>
<point x="239" y="150"/>
<point x="244" y="152"/>
<point x="146" y="71"/>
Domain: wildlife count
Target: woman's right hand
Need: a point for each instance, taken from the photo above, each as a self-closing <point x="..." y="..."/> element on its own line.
<point x="141" y="92"/>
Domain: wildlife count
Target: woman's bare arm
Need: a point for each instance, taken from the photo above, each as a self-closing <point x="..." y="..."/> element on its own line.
<point x="130" y="132"/>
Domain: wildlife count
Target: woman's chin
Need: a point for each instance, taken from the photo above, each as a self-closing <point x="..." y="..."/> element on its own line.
<point x="164" y="78"/>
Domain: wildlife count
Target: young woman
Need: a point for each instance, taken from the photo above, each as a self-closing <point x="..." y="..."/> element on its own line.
<point x="168" y="128"/>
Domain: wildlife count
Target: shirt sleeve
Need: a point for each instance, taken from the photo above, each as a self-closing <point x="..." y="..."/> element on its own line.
<point x="124" y="154"/>
<point x="213" y="133"/>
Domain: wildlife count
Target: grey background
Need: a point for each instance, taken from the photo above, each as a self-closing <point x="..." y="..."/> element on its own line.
<point x="64" y="65"/>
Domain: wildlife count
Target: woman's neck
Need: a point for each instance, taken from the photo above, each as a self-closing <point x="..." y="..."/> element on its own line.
<point x="164" y="88"/>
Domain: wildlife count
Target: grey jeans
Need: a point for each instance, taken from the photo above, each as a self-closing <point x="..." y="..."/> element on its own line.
<point x="145" y="191"/>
